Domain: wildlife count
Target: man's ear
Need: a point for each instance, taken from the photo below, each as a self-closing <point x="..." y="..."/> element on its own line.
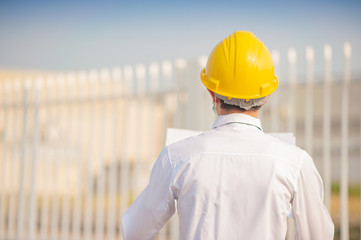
<point x="267" y="98"/>
<point x="212" y="95"/>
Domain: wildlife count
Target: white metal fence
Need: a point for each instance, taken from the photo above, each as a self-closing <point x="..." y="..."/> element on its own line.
<point x="76" y="149"/>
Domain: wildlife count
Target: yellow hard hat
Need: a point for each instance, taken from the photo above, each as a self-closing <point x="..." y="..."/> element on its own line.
<point x="240" y="67"/>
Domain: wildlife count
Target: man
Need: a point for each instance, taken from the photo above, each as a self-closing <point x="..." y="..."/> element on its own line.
<point x="234" y="181"/>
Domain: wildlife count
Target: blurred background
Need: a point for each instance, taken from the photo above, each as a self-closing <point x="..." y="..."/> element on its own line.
<point x="88" y="89"/>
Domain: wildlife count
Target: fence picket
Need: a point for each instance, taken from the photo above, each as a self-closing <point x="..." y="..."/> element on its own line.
<point x="33" y="219"/>
<point x="309" y="100"/>
<point x="292" y="75"/>
<point x="21" y="197"/>
<point x="327" y="125"/>
<point x="344" y="145"/>
<point x="274" y="97"/>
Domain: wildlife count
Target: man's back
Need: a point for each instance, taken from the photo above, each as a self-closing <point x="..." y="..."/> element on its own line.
<point x="236" y="182"/>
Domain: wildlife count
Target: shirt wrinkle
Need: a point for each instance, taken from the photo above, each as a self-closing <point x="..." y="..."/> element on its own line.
<point x="172" y="174"/>
<point x="255" y="154"/>
<point x="299" y="173"/>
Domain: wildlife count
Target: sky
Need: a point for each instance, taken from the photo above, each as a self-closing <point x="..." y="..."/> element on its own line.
<point x="82" y="35"/>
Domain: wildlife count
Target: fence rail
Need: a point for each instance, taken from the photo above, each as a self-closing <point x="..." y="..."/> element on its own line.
<point x="76" y="149"/>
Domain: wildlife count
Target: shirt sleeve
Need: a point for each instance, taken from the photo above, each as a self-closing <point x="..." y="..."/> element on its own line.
<point x="311" y="216"/>
<point x="154" y="206"/>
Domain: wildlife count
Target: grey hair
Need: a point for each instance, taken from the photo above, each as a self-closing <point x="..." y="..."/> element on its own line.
<point x="243" y="103"/>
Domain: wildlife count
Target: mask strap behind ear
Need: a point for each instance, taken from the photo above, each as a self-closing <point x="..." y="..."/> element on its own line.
<point x="214" y="107"/>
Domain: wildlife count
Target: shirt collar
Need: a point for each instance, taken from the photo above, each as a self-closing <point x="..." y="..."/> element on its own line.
<point x="237" y="118"/>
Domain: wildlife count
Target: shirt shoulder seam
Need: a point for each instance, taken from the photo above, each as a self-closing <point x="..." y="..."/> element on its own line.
<point x="248" y="154"/>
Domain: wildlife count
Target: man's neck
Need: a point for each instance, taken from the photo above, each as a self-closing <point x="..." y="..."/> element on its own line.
<point x="250" y="113"/>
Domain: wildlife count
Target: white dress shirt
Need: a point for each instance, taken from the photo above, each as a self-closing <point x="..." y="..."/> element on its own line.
<point x="232" y="182"/>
